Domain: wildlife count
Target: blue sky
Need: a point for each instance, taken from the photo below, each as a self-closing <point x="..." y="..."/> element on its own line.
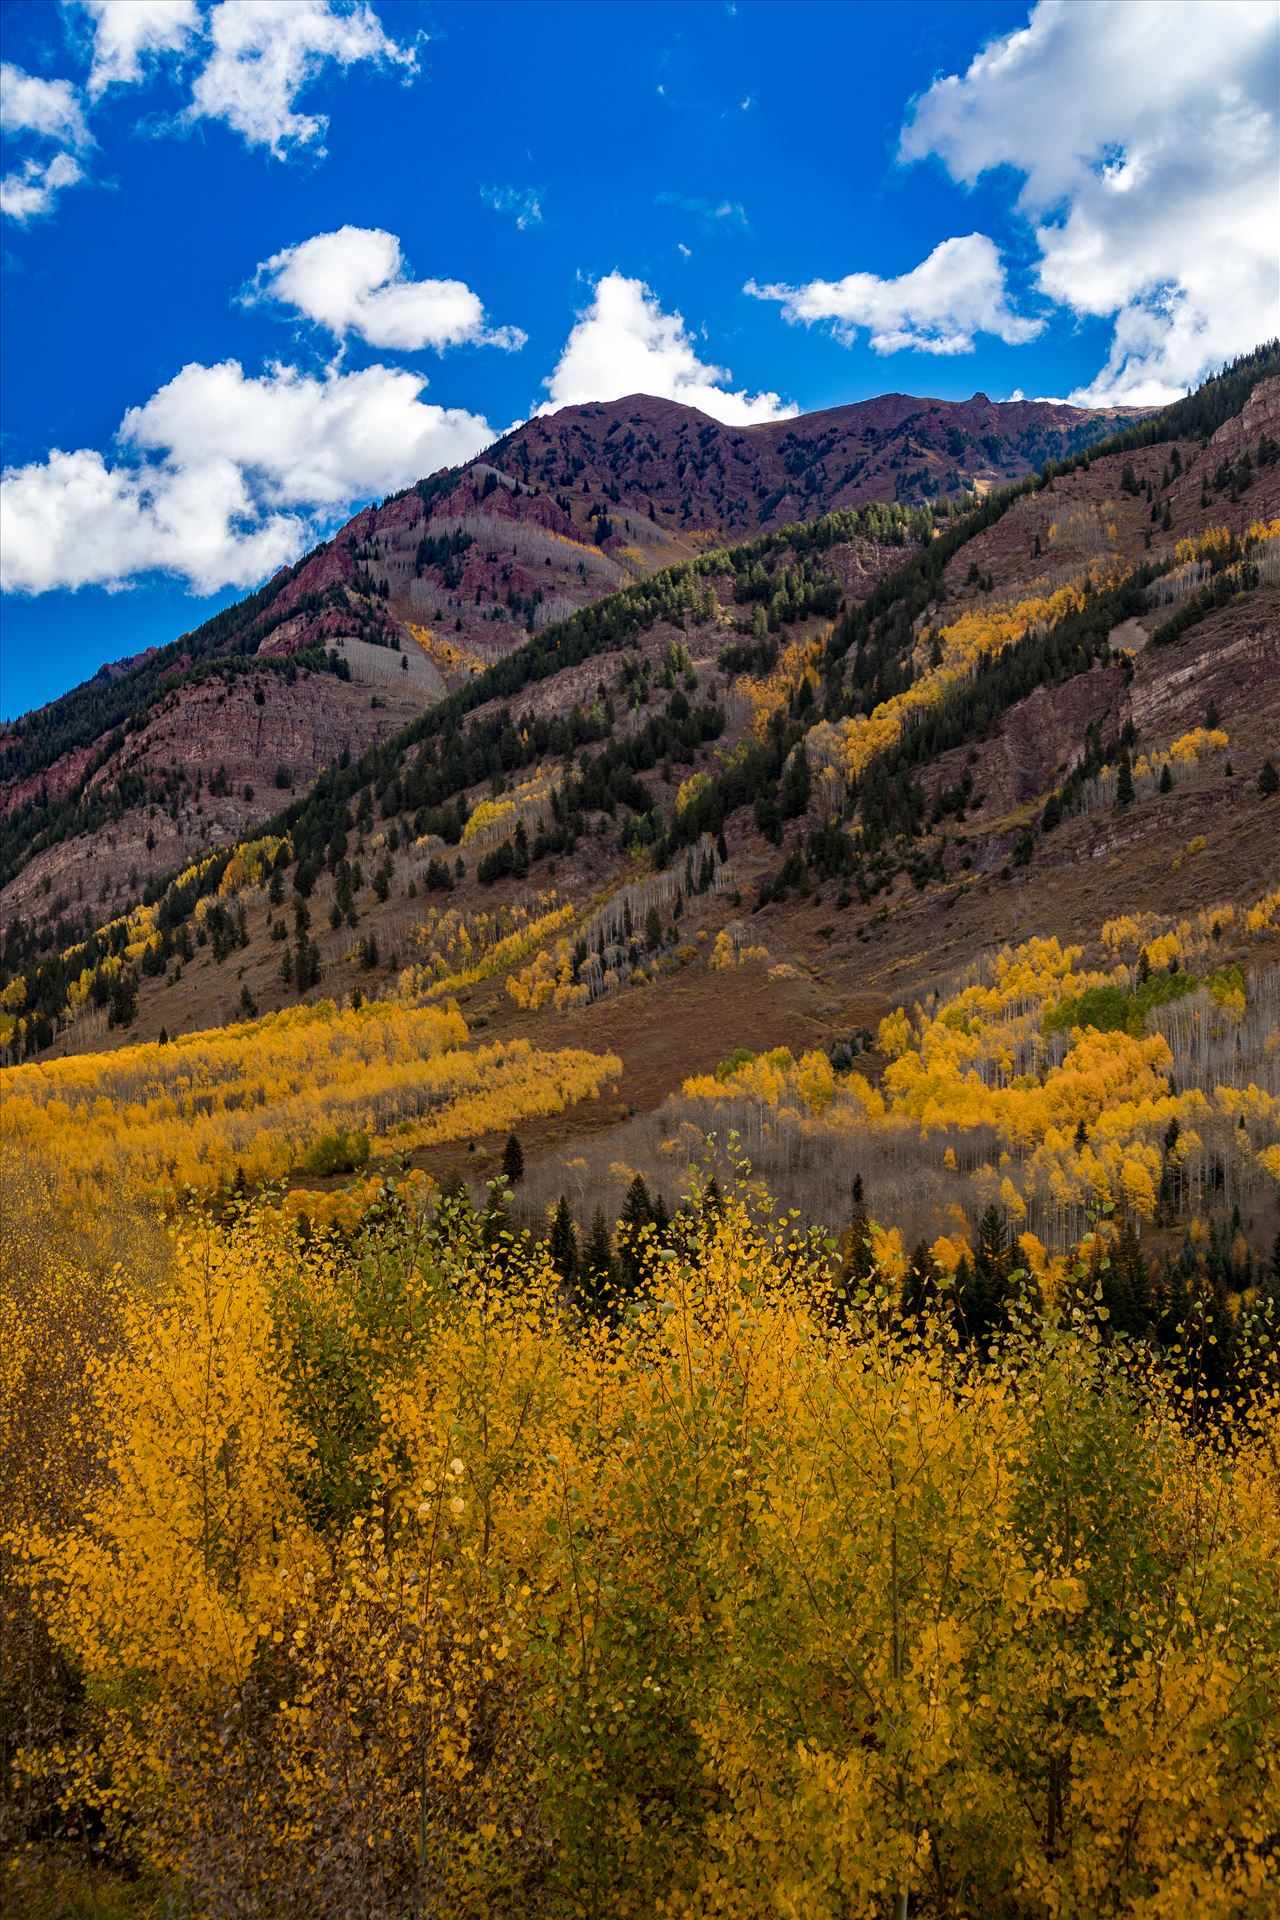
<point x="267" y="259"/>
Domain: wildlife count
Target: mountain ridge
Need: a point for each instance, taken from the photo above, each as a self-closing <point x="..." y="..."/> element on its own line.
<point x="412" y="596"/>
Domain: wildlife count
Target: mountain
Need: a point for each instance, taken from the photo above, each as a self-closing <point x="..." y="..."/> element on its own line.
<point x="873" y="745"/>
<point x="186" y="746"/>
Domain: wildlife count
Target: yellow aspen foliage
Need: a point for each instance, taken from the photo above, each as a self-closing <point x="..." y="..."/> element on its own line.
<point x="731" y="949"/>
<point x="798" y="663"/>
<point x="396" y="1586"/>
<point x="1048" y="1071"/>
<point x="250" y="1100"/>
<point x="962" y="644"/>
<point x="487" y="814"/>
<point x="689" y="789"/>
<point x="466" y="948"/>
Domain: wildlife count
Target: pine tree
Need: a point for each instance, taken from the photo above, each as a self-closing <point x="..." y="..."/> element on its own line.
<point x="859" y="1260"/>
<point x="1126" y="1291"/>
<point x="562" y="1244"/>
<point x="597" y="1267"/>
<point x="981" y="1300"/>
<point x="919" y="1285"/>
<point x="513" y="1161"/>
<point x="1124" y="782"/>
<point x="636" y="1215"/>
<point x="495" y="1221"/>
<point x="1268" y="779"/>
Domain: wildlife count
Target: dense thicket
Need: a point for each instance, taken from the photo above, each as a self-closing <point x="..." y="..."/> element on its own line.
<point x="742" y="1597"/>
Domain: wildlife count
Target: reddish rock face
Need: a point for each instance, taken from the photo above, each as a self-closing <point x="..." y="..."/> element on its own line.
<point x="699" y="473"/>
<point x="206" y="762"/>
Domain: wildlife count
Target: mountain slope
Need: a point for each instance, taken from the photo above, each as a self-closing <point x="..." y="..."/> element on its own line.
<point x="145" y="766"/>
<point x="720" y="699"/>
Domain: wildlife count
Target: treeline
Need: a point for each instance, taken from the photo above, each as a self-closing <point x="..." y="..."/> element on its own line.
<point x="1207" y="1306"/>
<point x="1197" y="416"/>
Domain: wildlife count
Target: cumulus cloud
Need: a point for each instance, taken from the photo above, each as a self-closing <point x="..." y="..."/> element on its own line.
<point x="222" y="477"/>
<point x="46" y="110"/>
<point x="524" y="203"/>
<point x="624" y="343"/>
<point x="937" y="307"/>
<point x="264" y="52"/>
<point x="29" y="104"/>
<point x="1147" y="139"/>
<point x="129" y="34"/>
<point x="356" y="281"/>
<point x="32" y="190"/>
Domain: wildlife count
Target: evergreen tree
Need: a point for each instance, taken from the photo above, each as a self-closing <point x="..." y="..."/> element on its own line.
<point x="597" y="1267"/>
<point x="1268" y="779"/>
<point x="858" y="1263"/>
<point x="1124" y="781"/>
<point x="495" y="1220"/>
<point x="793" y="794"/>
<point x="636" y="1215"/>
<point x="920" y="1283"/>
<point x="982" y="1298"/>
<point x="513" y="1161"/>
<point x="562" y="1244"/>
<point x="124" y="999"/>
<point x="1126" y="1290"/>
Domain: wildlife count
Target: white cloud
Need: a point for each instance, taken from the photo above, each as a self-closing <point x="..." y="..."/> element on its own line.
<point x="729" y="213"/>
<point x="222" y="477"/>
<point x="624" y="343"/>
<point x="29" y="104"/>
<point x="49" y="110"/>
<point x="72" y="521"/>
<point x="127" y="34"/>
<point x="523" y="202"/>
<point x="32" y="190"/>
<point x="355" y="281"/>
<point x="938" y="307"/>
<point x="1147" y="140"/>
<point x="265" y="52"/>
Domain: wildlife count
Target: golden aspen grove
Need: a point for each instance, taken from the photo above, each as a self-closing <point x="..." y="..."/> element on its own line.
<point x="653" y="1293"/>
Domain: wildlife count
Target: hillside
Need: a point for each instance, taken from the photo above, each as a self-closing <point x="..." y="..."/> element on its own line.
<point x="185" y="747"/>
<point x="848" y="759"/>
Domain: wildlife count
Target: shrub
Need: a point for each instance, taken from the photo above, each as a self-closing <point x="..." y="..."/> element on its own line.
<point x="337" y="1153"/>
